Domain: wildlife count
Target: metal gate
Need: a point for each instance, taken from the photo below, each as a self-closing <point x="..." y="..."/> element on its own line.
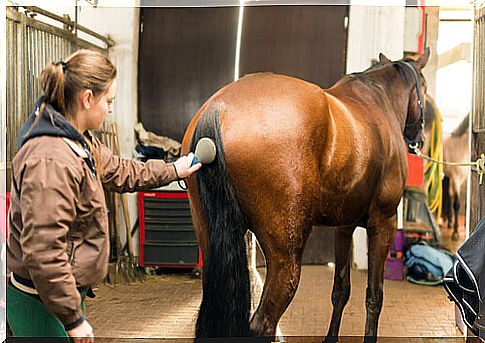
<point x="31" y="45"/>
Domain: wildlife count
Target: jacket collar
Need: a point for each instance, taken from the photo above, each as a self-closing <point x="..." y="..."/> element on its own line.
<point x="51" y="123"/>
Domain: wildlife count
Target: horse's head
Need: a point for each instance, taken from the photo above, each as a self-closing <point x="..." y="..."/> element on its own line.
<point x="414" y="90"/>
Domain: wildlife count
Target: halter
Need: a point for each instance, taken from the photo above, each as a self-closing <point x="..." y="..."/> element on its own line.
<point x="414" y="143"/>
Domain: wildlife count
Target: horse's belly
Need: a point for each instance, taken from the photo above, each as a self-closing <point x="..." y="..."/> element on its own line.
<point x="343" y="209"/>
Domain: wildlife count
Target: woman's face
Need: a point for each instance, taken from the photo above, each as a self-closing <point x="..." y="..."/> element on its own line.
<point x="95" y="115"/>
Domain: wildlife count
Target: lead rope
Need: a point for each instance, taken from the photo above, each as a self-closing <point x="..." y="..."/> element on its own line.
<point x="478" y="166"/>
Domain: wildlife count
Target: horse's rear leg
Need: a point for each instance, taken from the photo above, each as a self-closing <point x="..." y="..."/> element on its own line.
<point x="341" y="280"/>
<point x="281" y="283"/>
<point x="283" y="250"/>
<point x="380" y="231"/>
<point x="456" y="209"/>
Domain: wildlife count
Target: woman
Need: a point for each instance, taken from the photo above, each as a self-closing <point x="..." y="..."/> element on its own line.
<point x="58" y="243"/>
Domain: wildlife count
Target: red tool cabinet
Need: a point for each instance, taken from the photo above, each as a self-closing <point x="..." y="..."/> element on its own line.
<point x="167" y="236"/>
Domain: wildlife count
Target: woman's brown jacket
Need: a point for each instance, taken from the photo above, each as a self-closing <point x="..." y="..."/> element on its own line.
<point x="58" y="223"/>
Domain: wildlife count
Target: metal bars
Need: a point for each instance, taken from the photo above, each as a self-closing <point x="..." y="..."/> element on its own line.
<point x="31" y="45"/>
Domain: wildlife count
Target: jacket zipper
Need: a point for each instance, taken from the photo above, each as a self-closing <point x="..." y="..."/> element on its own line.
<point x="72" y="258"/>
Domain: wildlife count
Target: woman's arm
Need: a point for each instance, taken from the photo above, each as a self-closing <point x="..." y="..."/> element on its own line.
<point x="122" y="175"/>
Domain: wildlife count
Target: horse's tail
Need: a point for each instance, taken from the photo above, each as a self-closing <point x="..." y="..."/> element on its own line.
<point x="225" y="307"/>
<point x="446" y="202"/>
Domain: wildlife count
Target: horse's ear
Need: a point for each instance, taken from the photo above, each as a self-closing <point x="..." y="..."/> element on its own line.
<point x="423" y="59"/>
<point x="383" y="59"/>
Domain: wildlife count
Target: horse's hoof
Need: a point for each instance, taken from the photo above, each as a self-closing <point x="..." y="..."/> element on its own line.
<point x="454" y="236"/>
<point x="331" y="339"/>
<point x="370" y="339"/>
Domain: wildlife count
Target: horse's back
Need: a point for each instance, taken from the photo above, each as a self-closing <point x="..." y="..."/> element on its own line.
<point x="271" y="116"/>
<point x="267" y="99"/>
<point x="264" y="106"/>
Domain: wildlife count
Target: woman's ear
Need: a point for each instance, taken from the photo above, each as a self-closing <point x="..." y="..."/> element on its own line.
<point x="87" y="99"/>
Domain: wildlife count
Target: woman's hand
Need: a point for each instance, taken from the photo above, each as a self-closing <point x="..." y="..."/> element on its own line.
<point x="82" y="333"/>
<point x="183" y="166"/>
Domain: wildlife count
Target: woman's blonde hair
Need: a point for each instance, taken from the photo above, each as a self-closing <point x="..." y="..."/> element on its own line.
<point x="61" y="82"/>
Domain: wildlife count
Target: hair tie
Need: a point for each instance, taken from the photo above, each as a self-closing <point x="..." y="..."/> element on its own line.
<point x="63" y="64"/>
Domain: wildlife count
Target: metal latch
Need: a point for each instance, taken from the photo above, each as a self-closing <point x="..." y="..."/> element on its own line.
<point x="480" y="164"/>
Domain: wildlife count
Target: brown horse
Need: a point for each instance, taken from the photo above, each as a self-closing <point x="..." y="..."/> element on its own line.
<point x="291" y="155"/>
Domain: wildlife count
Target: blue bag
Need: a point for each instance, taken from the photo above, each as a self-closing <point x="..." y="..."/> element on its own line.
<point x="427" y="265"/>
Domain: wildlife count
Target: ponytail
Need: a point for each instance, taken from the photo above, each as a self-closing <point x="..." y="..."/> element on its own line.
<point x="52" y="84"/>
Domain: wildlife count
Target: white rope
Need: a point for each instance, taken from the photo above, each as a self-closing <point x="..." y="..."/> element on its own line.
<point x="478" y="166"/>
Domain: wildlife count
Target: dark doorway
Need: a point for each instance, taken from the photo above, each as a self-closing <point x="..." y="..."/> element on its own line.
<point x="185" y="55"/>
<point x="308" y="42"/>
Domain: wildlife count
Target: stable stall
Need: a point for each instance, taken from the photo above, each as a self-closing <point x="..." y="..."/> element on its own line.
<point x="171" y="57"/>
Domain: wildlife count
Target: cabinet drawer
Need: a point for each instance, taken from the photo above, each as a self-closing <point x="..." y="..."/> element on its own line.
<point x="171" y="254"/>
<point x="169" y="234"/>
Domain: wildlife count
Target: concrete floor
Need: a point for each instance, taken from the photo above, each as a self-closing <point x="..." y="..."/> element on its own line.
<point x="166" y="306"/>
<point x="447" y="242"/>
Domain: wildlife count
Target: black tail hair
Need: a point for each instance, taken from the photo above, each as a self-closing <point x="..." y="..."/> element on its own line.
<point x="225" y="307"/>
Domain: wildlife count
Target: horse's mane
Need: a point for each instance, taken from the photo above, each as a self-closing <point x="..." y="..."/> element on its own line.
<point x="462" y="128"/>
<point x="430" y="112"/>
<point x="405" y="72"/>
